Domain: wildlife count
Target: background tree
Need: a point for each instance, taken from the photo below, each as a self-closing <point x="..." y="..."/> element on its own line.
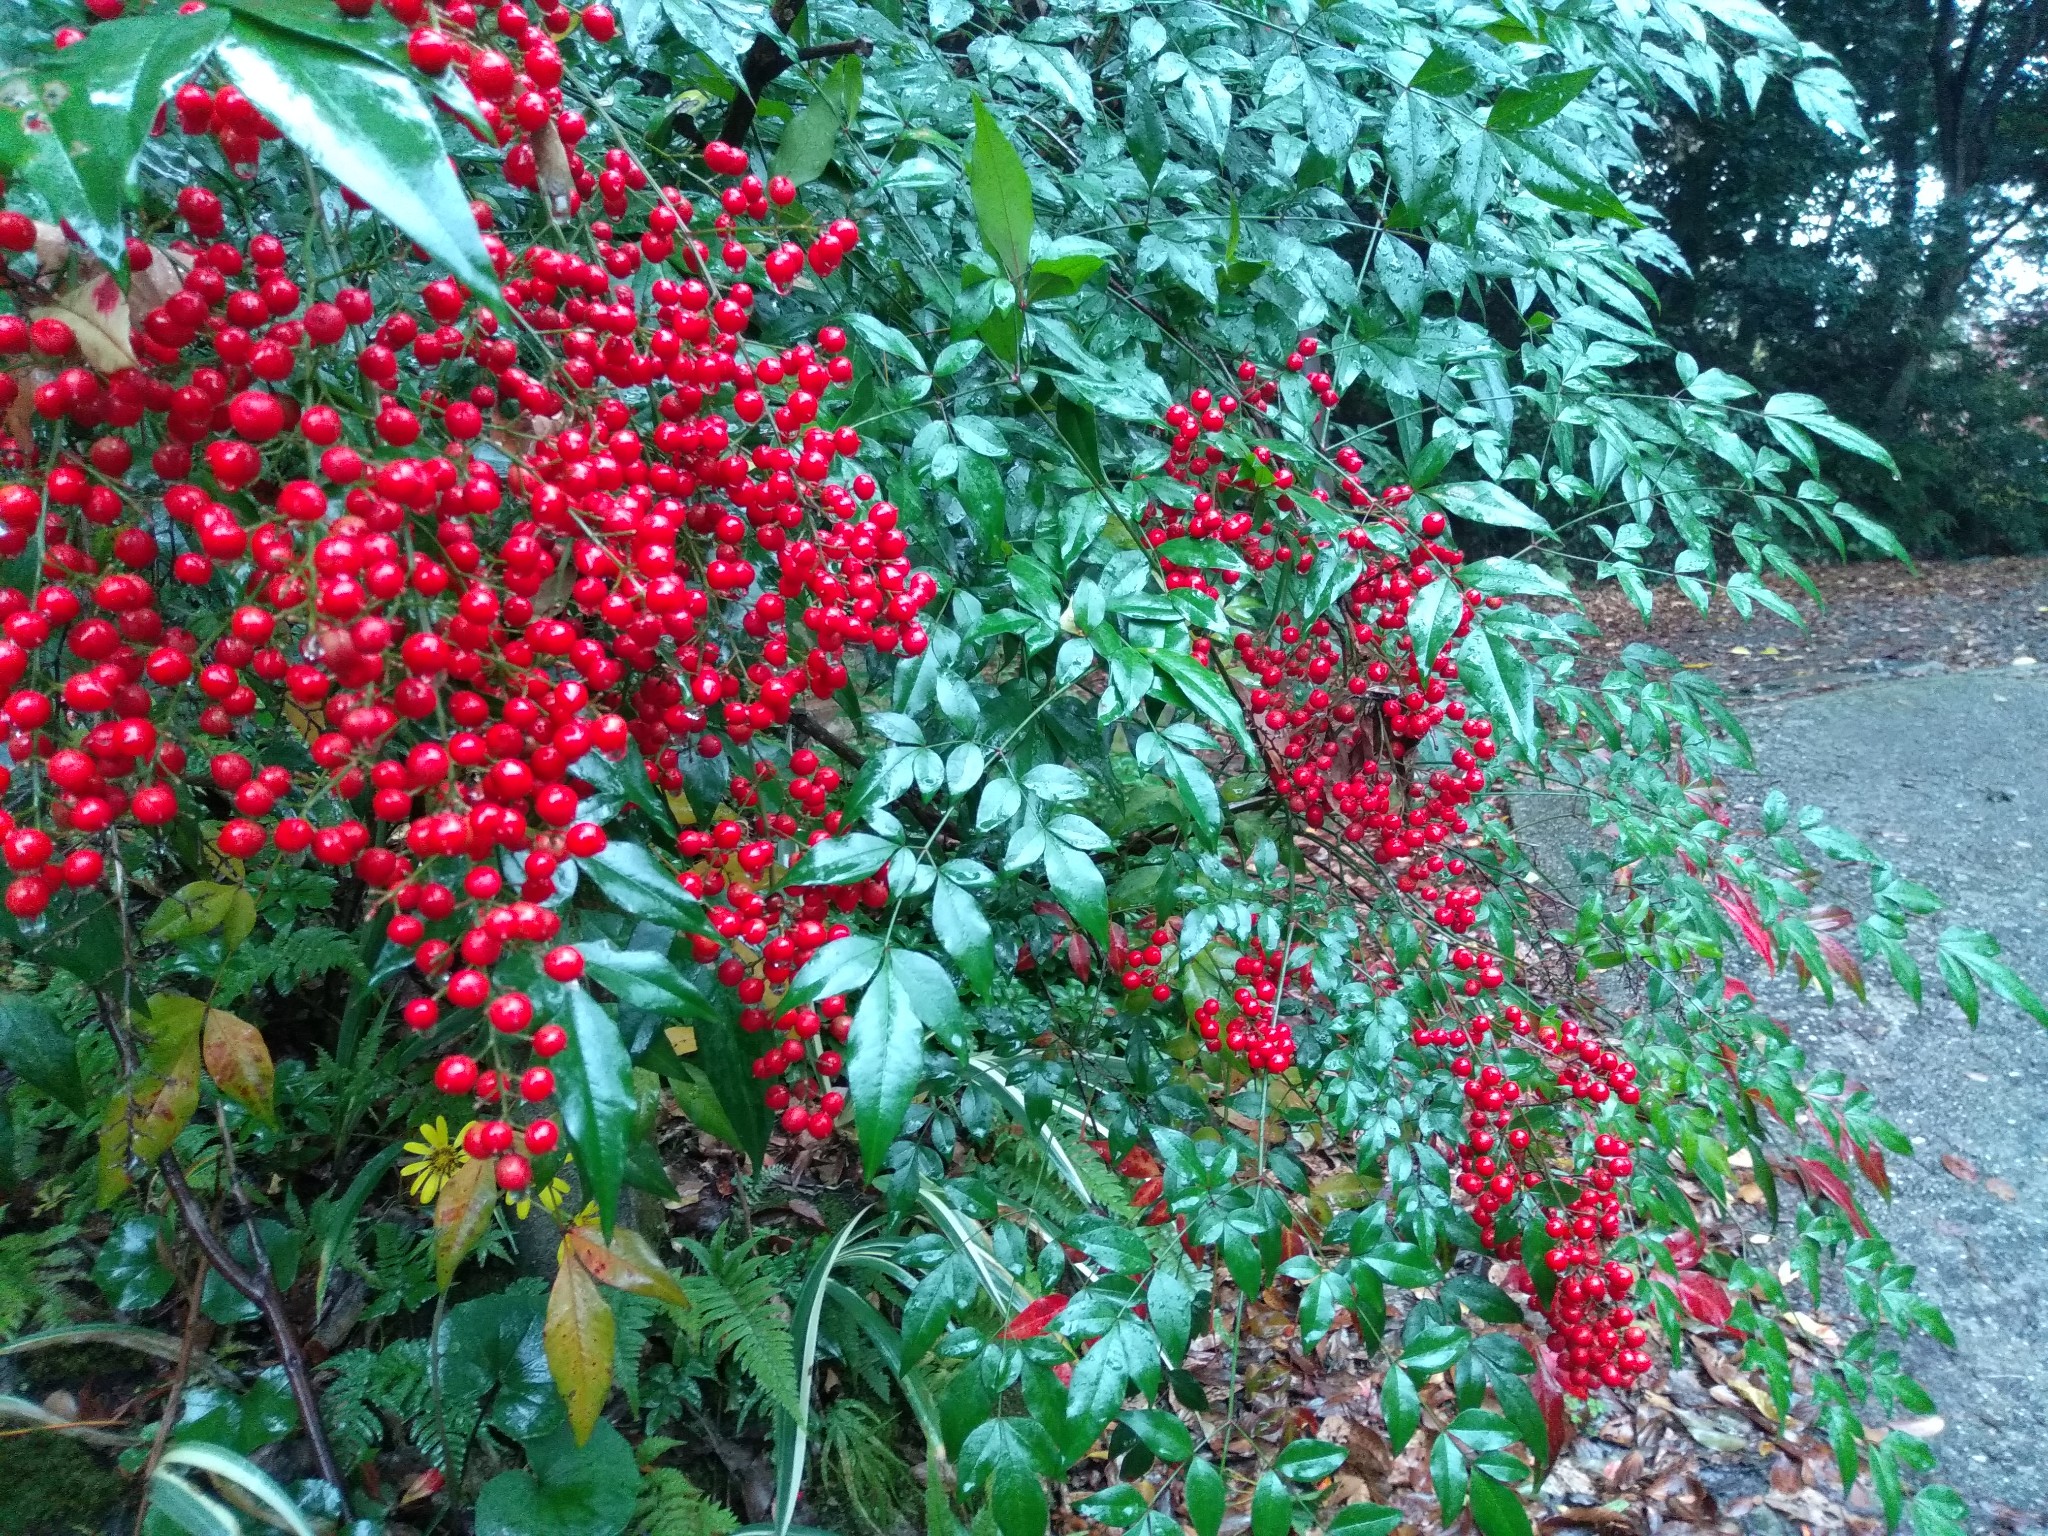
<point x="1892" y="273"/>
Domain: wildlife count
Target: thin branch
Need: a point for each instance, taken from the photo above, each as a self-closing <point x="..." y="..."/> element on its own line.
<point x="260" y="1291"/>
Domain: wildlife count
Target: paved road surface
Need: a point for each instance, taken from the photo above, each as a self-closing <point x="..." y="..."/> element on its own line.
<point x="1946" y="774"/>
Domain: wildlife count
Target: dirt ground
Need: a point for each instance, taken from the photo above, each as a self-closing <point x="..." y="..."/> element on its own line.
<point x="1876" y="620"/>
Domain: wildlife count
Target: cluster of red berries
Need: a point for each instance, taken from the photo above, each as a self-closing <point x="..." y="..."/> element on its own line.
<point x="1338" y="705"/>
<point x="1255" y="1028"/>
<point x="1137" y="965"/>
<point x="1593" y="1334"/>
<point x="450" y="680"/>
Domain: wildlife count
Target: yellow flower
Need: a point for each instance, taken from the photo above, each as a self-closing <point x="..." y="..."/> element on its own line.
<point x="587" y="1217"/>
<point x="437" y="1156"/>
<point x="550" y="1197"/>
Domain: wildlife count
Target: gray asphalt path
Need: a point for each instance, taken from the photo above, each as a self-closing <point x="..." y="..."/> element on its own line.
<point x="1945" y="775"/>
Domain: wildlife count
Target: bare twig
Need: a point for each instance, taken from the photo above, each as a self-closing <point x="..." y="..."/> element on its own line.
<point x="261" y="1292"/>
<point x="177" y="1392"/>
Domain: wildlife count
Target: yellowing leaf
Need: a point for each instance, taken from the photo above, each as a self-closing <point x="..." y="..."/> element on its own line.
<point x="97" y="312"/>
<point x="627" y="1263"/>
<point x="144" y="1119"/>
<point x="683" y="1038"/>
<point x="461" y="1214"/>
<point x="578" y="1336"/>
<point x="190" y="911"/>
<point x="239" y="1063"/>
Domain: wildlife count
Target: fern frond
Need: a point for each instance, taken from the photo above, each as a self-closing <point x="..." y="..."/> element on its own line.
<point x="345" y="1407"/>
<point x="36" y="1270"/>
<point x="671" y="1505"/>
<point x="292" y="958"/>
<point x="736" y="1308"/>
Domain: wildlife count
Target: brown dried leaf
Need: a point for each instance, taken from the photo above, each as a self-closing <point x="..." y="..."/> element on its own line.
<point x="551" y="162"/>
<point x="1959" y="1167"/>
<point x="97" y="312"/>
<point x="152" y="286"/>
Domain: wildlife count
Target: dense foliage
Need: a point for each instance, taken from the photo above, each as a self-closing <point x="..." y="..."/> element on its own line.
<point x="932" y="627"/>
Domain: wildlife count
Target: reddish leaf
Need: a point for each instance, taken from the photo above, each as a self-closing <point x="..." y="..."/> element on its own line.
<point x="1685" y="1249"/>
<point x="1550" y="1401"/>
<point x="238" y="1061"/>
<point x="1822" y="1180"/>
<point x="1138" y="1163"/>
<point x="1743" y="914"/>
<point x="1841" y="962"/>
<point x="1959" y="1167"/>
<point x="1871" y="1161"/>
<point x="1705" y="1297"/>
<point x="1035" y="1318"/>
<point x="1733" y="987"/>
<point x="1078" y="955"/>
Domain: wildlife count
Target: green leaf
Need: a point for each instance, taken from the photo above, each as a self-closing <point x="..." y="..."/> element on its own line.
<point x="1499" y="576"/>
<point x="1145" y="132"/>
<point x="1402" y="1405"/>
<point x="40" y="1051"/>
<point x="1309" y="1461"/>
<point x="642" y="978"/>
<point x="885" y="1063"/>
<point x="842" y="860"/>
<point x="1160" y="1432"/>
<point x="842" y="966"/>
<point x="1520" y="107"/>
<point x="130" y="1270"/>
<point x="1008" y="1459"/>
<point x="1481" y="501"/>
<point x="1204" y="1493"/>
<point x="1272" y="1506"/>
<point x="958" y="922"/>
<point x="1443" y="73"/>
<point x="1171" y="1306"/>
<point x="628" y="874"/>
<point x="1810" y="412"/>
<point x="1501" y="680"/>
<point x="97" y="100"/>
<point x="1495" y="1508"/>
<point x="1001" y="189"/>
<point x="368" y="126"/>
<point x="594" y="1078"/>
<point x="807" y="143"/>
<point x="1206" y="691"/>
<point x="1078" y="886"/>
<point x="571" y="1489"/>
<point x="1448" y="1474"/>
<point x="1433" y="617"/>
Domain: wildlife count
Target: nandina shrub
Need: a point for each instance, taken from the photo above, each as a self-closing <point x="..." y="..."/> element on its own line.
<point x="529" y="642"/>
